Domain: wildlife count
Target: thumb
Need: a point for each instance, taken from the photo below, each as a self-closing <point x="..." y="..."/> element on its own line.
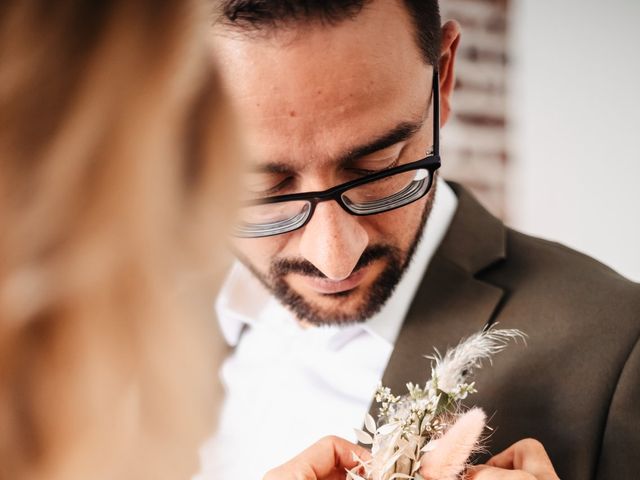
<point x="321" y="460"/>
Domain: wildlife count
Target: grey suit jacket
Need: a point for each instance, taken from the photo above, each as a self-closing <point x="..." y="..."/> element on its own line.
<point x="575" y="386"/>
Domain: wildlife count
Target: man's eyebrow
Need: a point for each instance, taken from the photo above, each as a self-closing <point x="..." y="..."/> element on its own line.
<point x="273" y="168"/>
<point x="398" y="134"/>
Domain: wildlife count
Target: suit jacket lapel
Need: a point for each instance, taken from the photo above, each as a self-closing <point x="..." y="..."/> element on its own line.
<point x="451" y="303"/>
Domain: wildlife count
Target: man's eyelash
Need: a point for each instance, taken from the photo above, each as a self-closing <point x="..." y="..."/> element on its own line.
<point x="275" y="189"/>
<point x="363" y="171"/>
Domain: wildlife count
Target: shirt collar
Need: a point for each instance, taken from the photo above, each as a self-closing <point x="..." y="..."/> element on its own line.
<point x="235" y="307"/>
<point x="243" y="299"/>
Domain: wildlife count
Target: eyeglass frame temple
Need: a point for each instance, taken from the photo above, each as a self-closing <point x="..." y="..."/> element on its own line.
<point x="436" y="111"/>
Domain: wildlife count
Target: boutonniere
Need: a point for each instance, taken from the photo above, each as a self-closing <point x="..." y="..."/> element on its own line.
<point x="427" y="429"/>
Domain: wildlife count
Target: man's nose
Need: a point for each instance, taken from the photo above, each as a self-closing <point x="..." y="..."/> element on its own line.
<point x="333" y="241"/>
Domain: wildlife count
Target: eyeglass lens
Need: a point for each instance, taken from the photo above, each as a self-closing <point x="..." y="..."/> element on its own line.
<point x="370" y="198"/>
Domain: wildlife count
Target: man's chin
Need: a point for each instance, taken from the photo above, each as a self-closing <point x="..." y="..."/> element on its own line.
<point x="338" y="308"/>
<point x="317" y="300"/>
<point x="345" y="307"/>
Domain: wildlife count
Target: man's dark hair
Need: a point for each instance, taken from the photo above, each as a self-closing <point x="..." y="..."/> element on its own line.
<point x="260" y="15"/>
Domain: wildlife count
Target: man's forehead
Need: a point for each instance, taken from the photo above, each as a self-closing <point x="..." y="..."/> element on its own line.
<point x="319" y="59"/>
<point x="321" y="125"/>
<point x="309" y="79"/>
<point x="326" y="89"/>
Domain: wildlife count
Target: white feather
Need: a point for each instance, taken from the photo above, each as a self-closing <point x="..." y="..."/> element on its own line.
<point x="458" y="363"/>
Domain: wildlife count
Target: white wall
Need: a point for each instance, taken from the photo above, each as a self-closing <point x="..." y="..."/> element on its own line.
<point x="575" y="108"/>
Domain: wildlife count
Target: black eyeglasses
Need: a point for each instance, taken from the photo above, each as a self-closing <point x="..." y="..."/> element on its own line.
<point x="376" y="193"/>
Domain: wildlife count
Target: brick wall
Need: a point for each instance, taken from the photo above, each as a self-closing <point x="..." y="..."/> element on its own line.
<point x="474" y="143"/>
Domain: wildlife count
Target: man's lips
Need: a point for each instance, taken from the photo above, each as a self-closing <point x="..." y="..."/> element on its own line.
<point x="326" y="286"/>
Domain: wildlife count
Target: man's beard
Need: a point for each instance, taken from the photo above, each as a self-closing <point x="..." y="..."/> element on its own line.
<point x="377" y="295"/>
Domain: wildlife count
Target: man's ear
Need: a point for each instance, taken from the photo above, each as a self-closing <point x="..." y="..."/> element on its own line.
<point x="450" y="40"/>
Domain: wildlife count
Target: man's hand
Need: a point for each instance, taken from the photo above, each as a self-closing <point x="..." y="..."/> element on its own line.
<point x="524" y="460"/>
<point x="326" y="459"/>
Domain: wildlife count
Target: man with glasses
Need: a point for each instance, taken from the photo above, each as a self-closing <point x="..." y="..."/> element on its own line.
<point x="356" y="258"/>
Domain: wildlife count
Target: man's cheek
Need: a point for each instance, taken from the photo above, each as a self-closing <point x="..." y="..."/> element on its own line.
<point x="399" y="227"/>
<point x="387" y="228"/>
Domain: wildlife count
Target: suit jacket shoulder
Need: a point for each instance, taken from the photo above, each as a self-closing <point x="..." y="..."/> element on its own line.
<point x="572" y="387"/>
<point x="575" y="385"/>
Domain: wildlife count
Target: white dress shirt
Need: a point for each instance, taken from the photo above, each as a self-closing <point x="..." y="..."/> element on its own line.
<point x="288" y="386"/>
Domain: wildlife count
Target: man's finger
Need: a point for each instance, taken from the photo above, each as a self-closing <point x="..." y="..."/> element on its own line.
<point x="485" y="472"/>
<point x="322" y="460"/>
<point x="528" y="455"/>
<point x="331" y="453"/>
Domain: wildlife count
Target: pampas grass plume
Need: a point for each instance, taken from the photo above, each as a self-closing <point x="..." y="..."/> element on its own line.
<point x="449" y="457"/>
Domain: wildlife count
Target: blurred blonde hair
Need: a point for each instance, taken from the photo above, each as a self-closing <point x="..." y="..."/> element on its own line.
<point x="114" y="148"/>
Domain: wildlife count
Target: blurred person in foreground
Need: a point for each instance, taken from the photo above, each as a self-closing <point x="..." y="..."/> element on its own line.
<point x="114" y="155"/>
<point x="116" y="166"/>
<point x="360" y="258"/>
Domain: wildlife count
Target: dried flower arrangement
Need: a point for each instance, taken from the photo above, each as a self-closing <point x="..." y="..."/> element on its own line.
<point x="426" y="433"/>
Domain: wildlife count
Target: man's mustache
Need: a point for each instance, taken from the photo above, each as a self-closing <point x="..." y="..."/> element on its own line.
<point x="283" y="266"/>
